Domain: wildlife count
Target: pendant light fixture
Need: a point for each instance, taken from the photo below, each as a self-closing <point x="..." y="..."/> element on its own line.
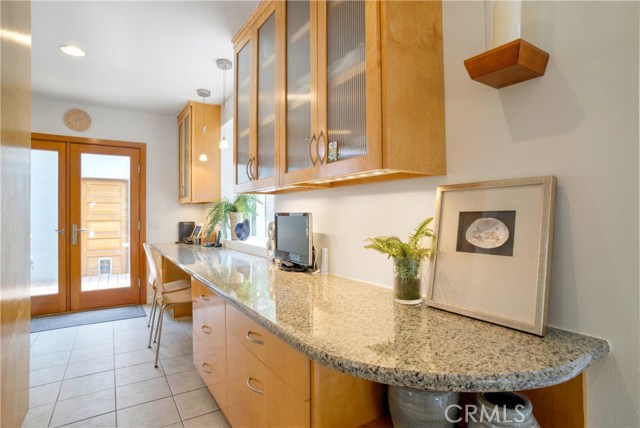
<point x="224" y="65"/>
<point x="204" y="93"/>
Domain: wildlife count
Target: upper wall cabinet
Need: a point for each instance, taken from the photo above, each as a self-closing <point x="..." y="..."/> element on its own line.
<point x="256" y="126"/>
<point x="198" y="181"/>
<point x="361" y="94"/>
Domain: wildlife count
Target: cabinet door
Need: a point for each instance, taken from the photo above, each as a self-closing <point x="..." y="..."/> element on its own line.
<point x="349" y="87"/>
<point x="184" y="157"/>
<point x="263" y="164"/>
<point x="242" y="124"/>
<point x="298" y="153"/>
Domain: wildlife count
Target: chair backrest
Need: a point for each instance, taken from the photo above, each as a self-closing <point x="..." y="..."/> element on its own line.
<point x="155" y="278"/>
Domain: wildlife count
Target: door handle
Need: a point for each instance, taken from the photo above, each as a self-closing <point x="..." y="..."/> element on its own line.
<point x="60" y="231"/>
<point x="313" y="161"/>
<point x="324" y="149"/>
<point x="74" y="233"/>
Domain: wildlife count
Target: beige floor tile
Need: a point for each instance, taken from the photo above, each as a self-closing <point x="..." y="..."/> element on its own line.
<point x="48" y="346"/>
<point x="142" y="392"/>
<point x="46" y="375"/>
<point x="91" y="352"/>
<point x="159" y="413"/>
<point x="108" y="420"/>
<point x="87" y="384"/>
<point x="137" y="373"/>
<point x="59" y="333"/>
<point x="32" y="338"/>
<point x="185" y="381"/>
<point x="175" y="349"/>
<point x="141" y="333"/>
<point x="42" y="361"/>
<point x="195" y="403"/>
<point x="87" y="339"/>
<point x="179" y="364"/>
<point x="104" y="328"/>
<point x="176" y="425"/>
<point x="210" y="420"/>
<point x="135" y="357"/>
<point x="83" y="368"/>
<point x="38" y="417"/>
<point x="44" y="394"/>
<point x="130" y="324"/>
<point x="130" y="345"/>
<point x="172" y="337"/>
<point x="83" y="407"/>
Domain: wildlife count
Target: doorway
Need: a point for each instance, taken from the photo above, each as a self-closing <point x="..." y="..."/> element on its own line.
<point x="87" y="223"/>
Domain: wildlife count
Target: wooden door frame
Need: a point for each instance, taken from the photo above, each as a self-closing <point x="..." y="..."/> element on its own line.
<point x="142" y="147"/>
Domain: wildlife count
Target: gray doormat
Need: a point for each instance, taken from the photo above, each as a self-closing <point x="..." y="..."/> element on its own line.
<point x="52" y="322"/>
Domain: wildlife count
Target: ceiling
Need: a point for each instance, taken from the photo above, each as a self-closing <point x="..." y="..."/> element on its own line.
<point x="146" y="56"/>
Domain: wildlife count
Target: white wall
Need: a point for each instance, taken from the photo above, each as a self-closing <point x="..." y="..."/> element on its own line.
<point x="159" y="133"/>
<point x="580" y="123"/>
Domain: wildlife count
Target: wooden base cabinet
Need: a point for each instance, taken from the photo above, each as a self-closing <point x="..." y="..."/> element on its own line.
<point x="260" y="381"/>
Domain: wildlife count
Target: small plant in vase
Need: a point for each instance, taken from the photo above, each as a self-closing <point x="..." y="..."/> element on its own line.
<point x="407" y="257"/>
<point x="225" y="213"/>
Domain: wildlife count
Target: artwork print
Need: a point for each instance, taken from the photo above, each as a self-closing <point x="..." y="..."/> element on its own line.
<point x="486" y="232"/>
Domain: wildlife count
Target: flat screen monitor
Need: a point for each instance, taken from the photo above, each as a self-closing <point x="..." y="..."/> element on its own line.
<point x="294" y="240"/>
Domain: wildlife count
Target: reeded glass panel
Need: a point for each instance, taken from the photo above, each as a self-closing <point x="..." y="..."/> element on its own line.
<point x="244" y="112"/>
<point x="181" y="159"/>
<point x="346" y="89"/>
<point x="267" y="98"/>
<point x="298" y="85"/>
<point x="103" y="233"/>
<point x="44" y="222"/>
<point x="187" y="156"/>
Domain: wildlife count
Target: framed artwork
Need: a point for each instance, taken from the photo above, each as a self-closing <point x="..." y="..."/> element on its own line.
<point x="493" y="251"/>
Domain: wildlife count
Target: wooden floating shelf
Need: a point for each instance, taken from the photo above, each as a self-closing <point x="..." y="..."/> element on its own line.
<point x="508" y="64"/>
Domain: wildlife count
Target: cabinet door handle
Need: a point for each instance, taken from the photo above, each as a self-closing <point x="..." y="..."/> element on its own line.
<point x="204" y="297"/>
<point x="313" y="161"/>
<point x="247" y="169"/>
<point x="324" y="149"/>
<point x="253" y="388"/>
<point x="206" y="329"/>
<point x="204" y="369"/>
<point x="253" y="164"/>
<point x="251" y="338"/>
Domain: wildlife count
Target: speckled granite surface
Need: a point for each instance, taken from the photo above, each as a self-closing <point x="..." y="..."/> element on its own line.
<point x="356" y="328"/>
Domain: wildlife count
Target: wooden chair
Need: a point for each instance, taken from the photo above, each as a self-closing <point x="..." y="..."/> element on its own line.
<point x="166" y="295"/>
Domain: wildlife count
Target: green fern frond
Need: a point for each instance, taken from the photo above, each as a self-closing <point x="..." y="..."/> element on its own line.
<point x="392" y="246"/>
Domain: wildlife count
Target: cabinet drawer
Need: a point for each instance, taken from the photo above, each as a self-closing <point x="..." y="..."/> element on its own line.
<point x="288" y="364"/>
<point x="253" y="385"/>
<point x="209" y="321"/>
<point x="211" y="373"/>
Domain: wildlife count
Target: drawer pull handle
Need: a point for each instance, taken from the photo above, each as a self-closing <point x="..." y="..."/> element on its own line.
<point x="204" y="297"/>
<point x="205" y="366"/>
<point x="251" y="338"/>
<point x="206" y="329"/>
<point x="253" y="388"/>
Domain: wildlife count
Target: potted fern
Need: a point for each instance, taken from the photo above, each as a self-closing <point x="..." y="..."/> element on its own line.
<point x="225" y="213"/>
<point x="407" y="257"/>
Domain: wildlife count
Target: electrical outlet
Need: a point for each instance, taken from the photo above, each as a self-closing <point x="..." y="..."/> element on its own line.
<point x="154" y="224"/>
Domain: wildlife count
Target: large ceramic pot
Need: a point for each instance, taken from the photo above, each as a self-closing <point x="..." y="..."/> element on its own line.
<point x="503" y="410"/>
<point x="406" y="281"/>
<point x="422" y="408"/>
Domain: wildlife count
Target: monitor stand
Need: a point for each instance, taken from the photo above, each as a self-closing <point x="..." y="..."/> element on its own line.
<point x="292" y="267"/>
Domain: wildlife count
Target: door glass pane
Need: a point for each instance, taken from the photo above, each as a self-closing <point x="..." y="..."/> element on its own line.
<point x="104" y="227"/>
<point x="267" y="98"/>
<point x="44" y="222"/>
<point x="346" y="89"/>
<point x="244" y="91"/>
<point x="298" y="85"/>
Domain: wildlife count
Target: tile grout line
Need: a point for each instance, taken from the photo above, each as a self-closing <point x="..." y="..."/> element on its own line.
<point x="55" y="404"/>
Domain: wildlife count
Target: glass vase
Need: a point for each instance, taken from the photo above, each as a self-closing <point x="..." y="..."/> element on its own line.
<point x="406" y="281"/>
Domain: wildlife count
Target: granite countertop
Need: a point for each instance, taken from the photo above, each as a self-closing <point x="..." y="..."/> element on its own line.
<point x="356" y="328"/>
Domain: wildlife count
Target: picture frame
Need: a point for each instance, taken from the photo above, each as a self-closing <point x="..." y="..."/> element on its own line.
<point x="493" y="243"/>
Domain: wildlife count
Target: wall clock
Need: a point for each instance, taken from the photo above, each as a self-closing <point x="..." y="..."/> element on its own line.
<point x="76" y="119"/>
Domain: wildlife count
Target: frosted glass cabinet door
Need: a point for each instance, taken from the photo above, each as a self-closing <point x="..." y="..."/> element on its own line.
<point x="243" y="113"/>
<point x="346" y="80"/>
<point x="298" y="16"/>
<point x="265" y="166"/>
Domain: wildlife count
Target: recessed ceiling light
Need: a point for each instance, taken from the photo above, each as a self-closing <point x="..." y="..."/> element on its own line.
<point x="72" y="50"/>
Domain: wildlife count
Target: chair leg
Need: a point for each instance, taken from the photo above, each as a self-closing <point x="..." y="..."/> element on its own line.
<point x="153" y="318"/>
<point x="159" y="333"/>
<point x="153" y="307"/>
